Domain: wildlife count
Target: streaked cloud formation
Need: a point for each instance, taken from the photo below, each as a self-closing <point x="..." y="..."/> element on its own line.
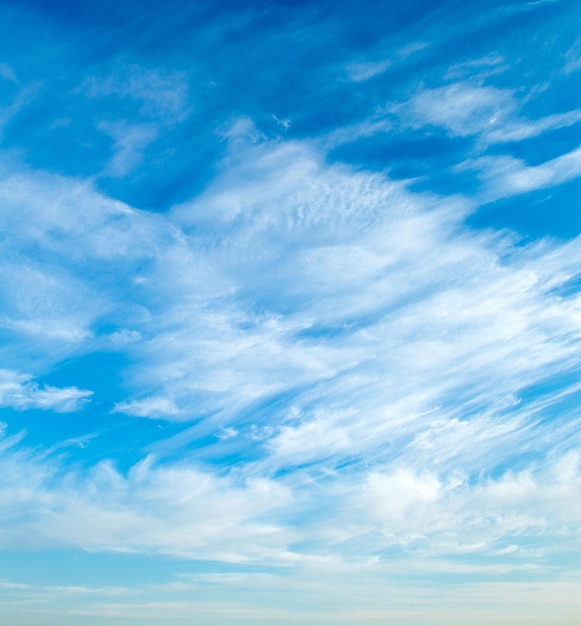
<point x="305" y="327"/>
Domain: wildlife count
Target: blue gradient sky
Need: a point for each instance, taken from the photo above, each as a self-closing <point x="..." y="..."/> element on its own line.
<point x="290" y="313"/>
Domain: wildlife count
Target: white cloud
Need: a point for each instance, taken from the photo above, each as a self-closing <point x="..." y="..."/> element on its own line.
<point x="573" y="58"/>
<point x="477" y="68"/>
<point x="19" y="392"/>
<point x="22" y="97"/>
<point x="73" y="253"/>
<point x="363" y="70"/>
<point x="359" y="72"/>
<point x="179" y="509"/>
<point x="149" y="407"/>
<point x="524" y="129"/>
<point x="188" y="511"/>
<point x="462" y="108"/>
<point x="130" y="141"/>
<point x="394" y="495"/>
<point x="395" y="250"/>
<point x="412" y="48"/>
<point x="442" y="516"/>
<point x="314" y="439"/>
<point x="468" y="108"/>
<point x="505" y="176"/>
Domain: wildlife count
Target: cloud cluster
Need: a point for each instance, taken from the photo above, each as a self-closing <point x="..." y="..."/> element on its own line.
<point x="188" y="511"/>
<point x="181" y="510"/>
<point x="371" y="359"/>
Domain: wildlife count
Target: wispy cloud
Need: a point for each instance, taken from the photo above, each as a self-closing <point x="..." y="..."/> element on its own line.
<point x="129" y="142"/>
<point x="573" y="57"/>
<point x="19" y="392"/>
<point x="162" y="95"/>
<point x="149" y="407"/>
<point x="505" y="176"/>
<point x="472" y="109"/>
<point x="180" y="510"/>
<point x="358" y="72"/>
<point x="463" y="109"/>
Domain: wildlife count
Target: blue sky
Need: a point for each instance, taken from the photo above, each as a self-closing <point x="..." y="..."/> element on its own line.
<point x="290" y="313"/>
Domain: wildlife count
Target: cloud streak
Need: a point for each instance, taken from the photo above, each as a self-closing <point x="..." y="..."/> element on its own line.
<point x="19" y="392"/>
